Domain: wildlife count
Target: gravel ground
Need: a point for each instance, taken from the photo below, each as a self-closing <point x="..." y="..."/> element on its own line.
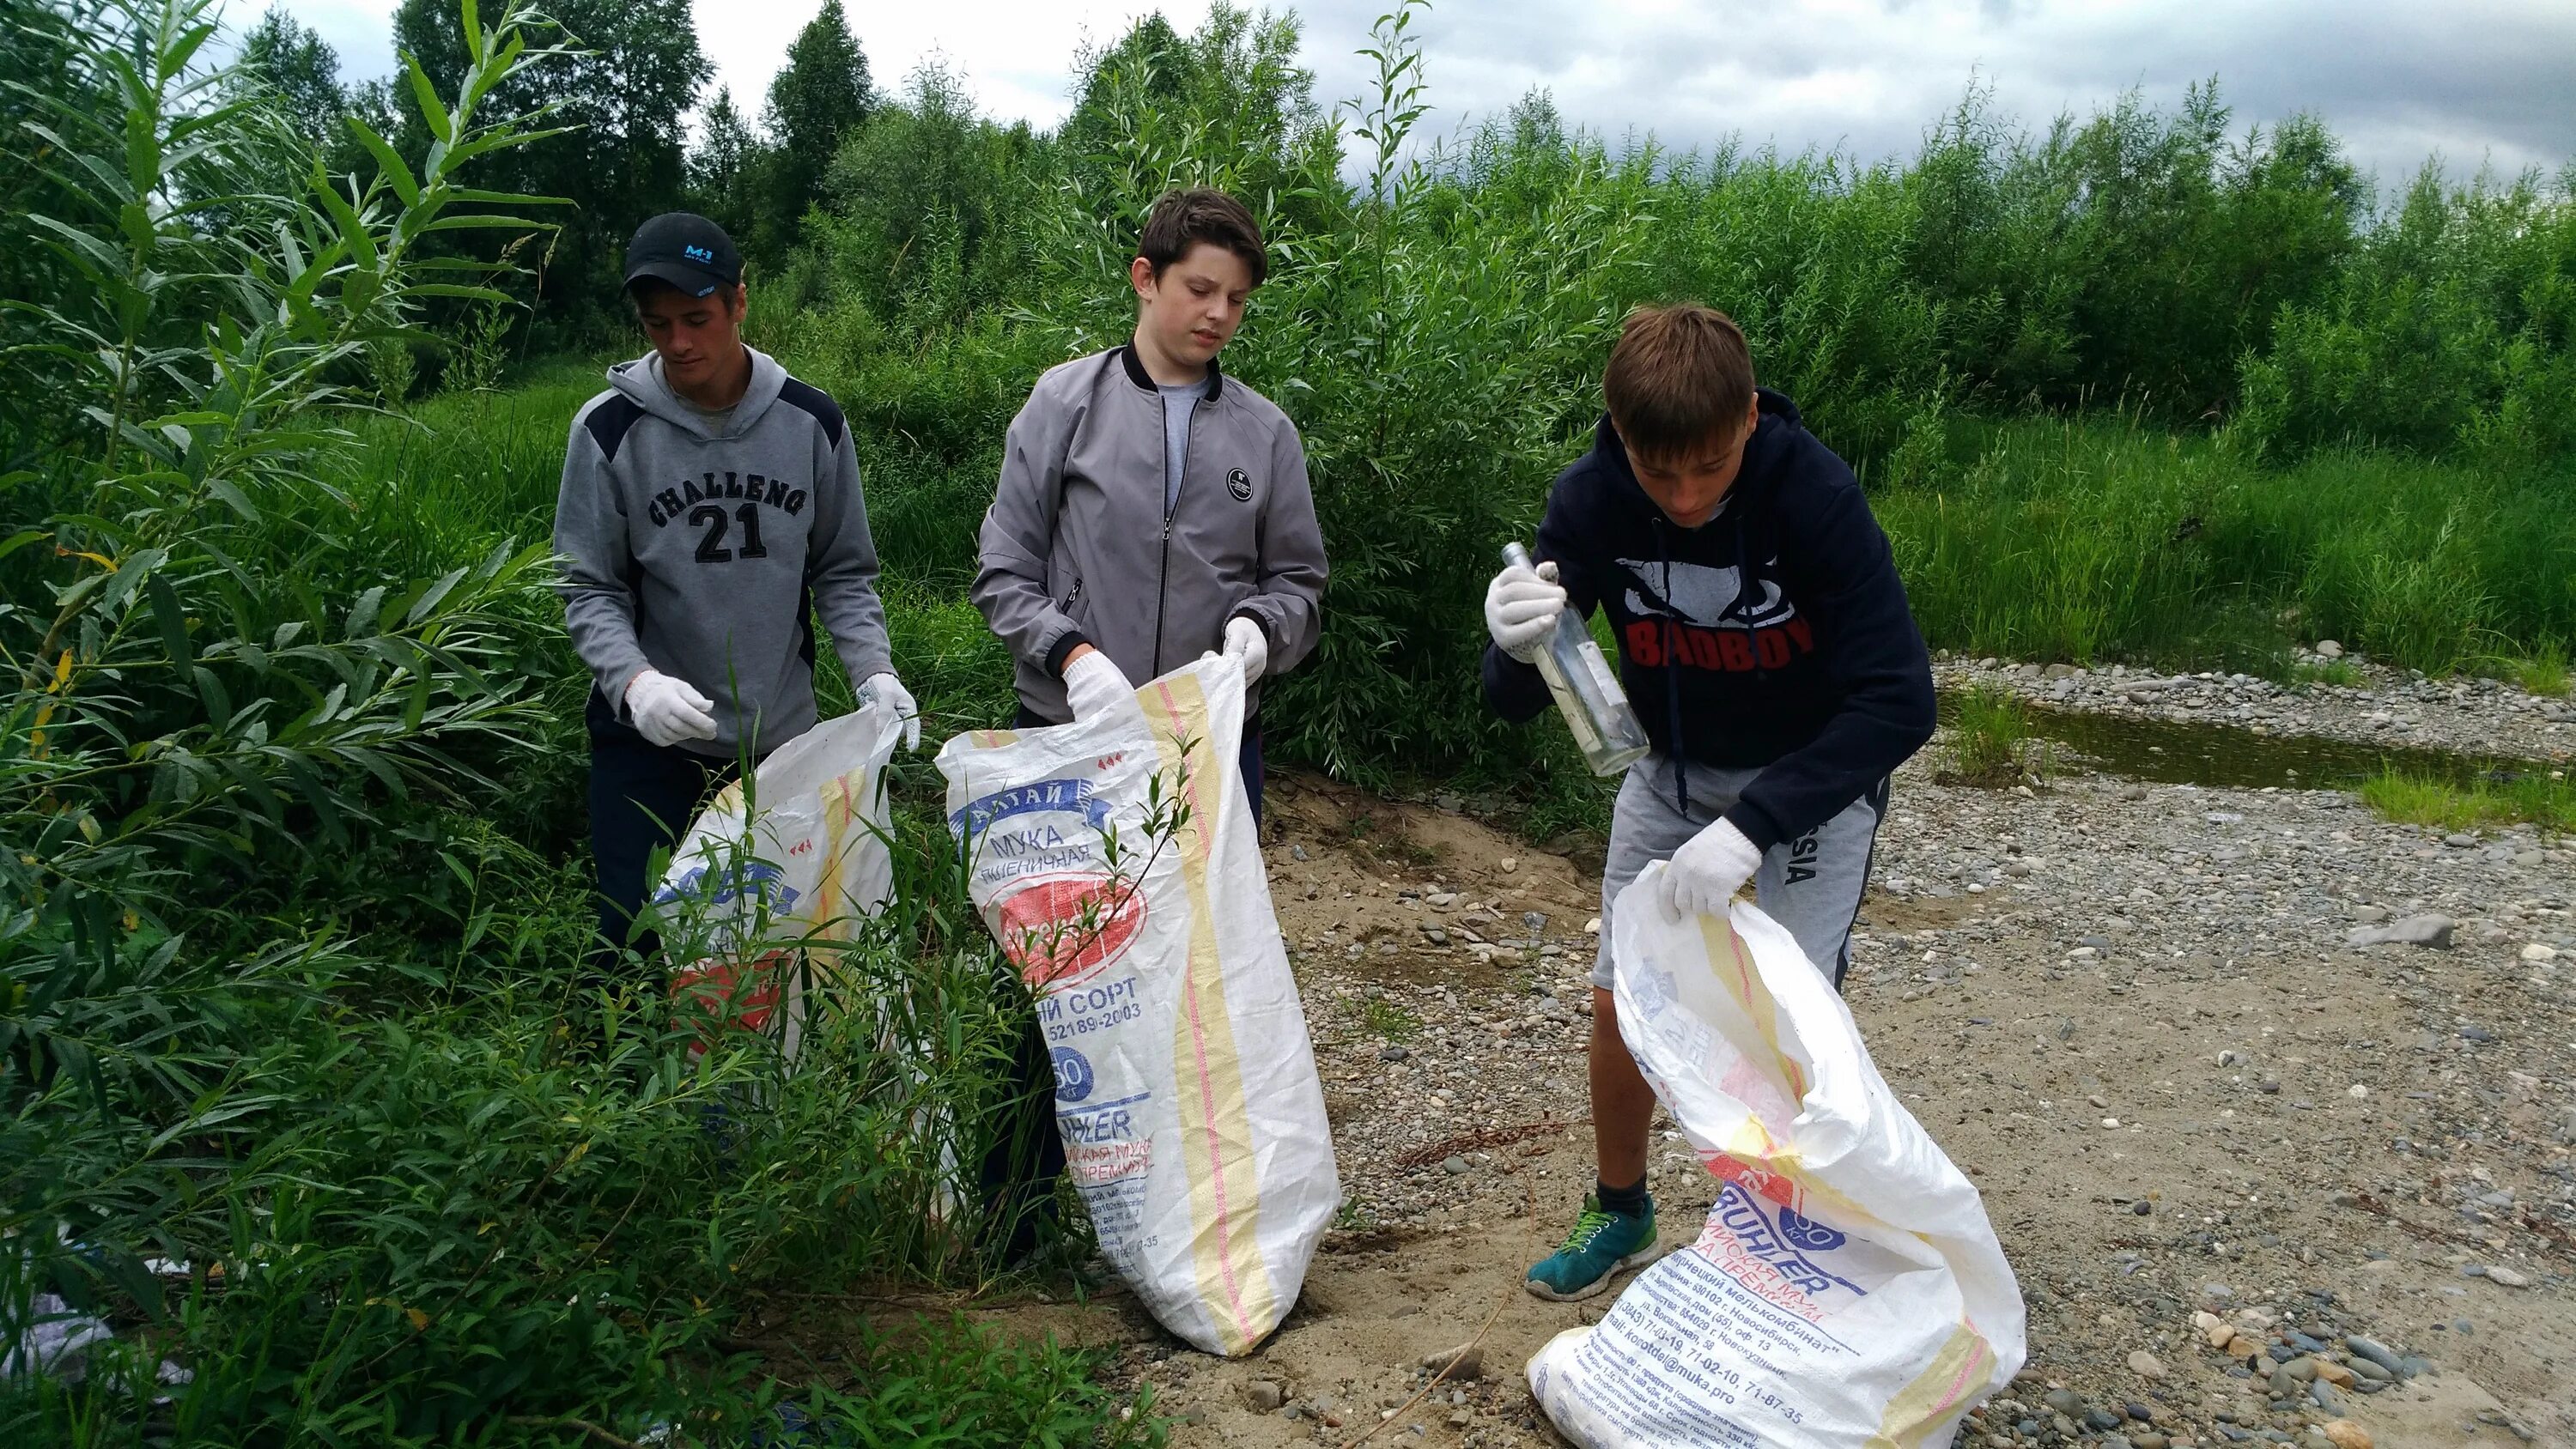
<point x="2205" y="1118"/>
<point x="2388" y="706"/>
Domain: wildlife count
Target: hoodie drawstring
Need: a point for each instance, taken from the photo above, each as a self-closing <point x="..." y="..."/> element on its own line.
<point x="1673" y="674"/>
<point x="1744" y="580"/>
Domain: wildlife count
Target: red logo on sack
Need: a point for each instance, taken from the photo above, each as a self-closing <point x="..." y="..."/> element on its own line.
<point x="1063" y="929"/>
<point x="719" y="996"/>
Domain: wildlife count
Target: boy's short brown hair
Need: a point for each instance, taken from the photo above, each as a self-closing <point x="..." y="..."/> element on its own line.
<point x="1679" y="378"/>
<point x="1183" y="219"/>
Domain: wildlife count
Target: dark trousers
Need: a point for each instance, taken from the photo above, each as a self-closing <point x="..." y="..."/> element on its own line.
<point x="1021" y="1167"/>
<point x="642" y="796"/>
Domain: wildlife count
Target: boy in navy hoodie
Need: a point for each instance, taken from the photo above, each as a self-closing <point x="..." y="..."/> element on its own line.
<point x="1765" y="643"/>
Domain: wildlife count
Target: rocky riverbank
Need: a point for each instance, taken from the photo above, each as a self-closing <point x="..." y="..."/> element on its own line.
<point x="2262" y="1180"/>
<point x="2380" y="706"/>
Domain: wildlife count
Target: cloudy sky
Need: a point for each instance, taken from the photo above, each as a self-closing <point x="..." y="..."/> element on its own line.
<point x="2477" y="81"/>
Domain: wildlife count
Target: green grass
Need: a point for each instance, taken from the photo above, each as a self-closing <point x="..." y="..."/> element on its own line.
<point x="2093" y="539"/>
<point x="1992" y="741"/>
<point x="1387" y="1019"/>
<point x="2333" y="673"/>
<point x="2545" y="672"/>
<point x="2547" y="801"/>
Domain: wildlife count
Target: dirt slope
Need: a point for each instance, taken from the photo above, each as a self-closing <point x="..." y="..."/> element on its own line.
<point x="2033" y="970"/>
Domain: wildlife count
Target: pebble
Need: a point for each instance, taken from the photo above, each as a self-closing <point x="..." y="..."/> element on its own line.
<point x="2374" y="1351"/>
<point x="1471" y="1362"/>
<point x="2430" y="929"/>
<point x="1392" y="1054"/>
<point x="2507" y="1277"/>
<point x="1457" y="1166"/>
<point x="2146" y="1365"/>
<point x="2345" y="1434"/>
<point x="2537" y="953"/>
<point x="1264" y="1395"/>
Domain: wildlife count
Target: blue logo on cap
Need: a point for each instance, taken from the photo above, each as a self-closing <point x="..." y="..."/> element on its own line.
<point x="698" y="253"/>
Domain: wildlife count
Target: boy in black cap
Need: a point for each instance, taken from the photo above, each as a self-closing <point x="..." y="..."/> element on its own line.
<point x="710" y="508"/>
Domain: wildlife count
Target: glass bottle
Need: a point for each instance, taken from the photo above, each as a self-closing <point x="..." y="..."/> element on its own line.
<point x="1587" y="690"/>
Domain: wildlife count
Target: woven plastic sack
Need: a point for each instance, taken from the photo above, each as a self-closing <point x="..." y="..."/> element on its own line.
<point x="1186" y="1095"/>
<point x="1847" y="1289"/>
<point x="807" y="869"/>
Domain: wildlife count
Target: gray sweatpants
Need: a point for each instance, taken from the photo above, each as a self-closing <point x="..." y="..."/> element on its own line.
<point x="1811" y="885"/>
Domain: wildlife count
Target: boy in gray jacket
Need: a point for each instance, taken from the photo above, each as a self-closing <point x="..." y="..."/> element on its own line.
<point x="710" y="508"/>
<point x="1150" y="510"/>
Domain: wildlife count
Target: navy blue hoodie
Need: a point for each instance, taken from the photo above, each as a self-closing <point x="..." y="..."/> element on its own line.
<point x="1775" y="635"/>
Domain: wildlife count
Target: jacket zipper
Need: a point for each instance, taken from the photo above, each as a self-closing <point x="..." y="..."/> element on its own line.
<point x="1163" y="578"/>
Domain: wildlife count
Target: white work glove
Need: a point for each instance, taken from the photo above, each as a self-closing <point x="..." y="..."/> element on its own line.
<point x="667" y="711"/>
<point x="1244" y="639"/>
<point x="883" y="688"/>
<point x="1708" y="870"/>
<point x="1094" y="686"/>
<point x="1521" y="610"/>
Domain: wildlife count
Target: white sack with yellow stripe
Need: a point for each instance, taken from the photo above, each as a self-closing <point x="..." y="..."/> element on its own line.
<point x="1186" y="1095"/>
<point x="1847" y="1289"/>
<point x="806" y="868"/>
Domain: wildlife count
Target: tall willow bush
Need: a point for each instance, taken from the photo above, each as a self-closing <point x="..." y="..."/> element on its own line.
<point x="305" y="1086"/>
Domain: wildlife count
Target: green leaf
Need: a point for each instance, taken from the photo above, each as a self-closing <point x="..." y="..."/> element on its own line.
<point x="455" y="289"/>
<point x="362" y="614"/>
<point x="429" y="601"/>
<point x="474" y="221"/>
<point x="233" y="498"/>
<point x="504" y="198"/>
<point x="352" y="228"/>
<point x="389" y="161"/>
<point x="171" y="617"/>
<point x="432" y="110"/>
<point x="210" y="690"/>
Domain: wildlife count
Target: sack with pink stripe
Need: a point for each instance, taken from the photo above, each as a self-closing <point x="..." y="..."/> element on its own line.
<point x="1847" y="1289"/>
<point x="1115" y="860"/>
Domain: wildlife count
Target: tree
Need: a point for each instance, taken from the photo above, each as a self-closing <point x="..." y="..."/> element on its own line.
<point x="304" y="71"/>
<point x="726" y="167"/>
<point x="620" y="158"/>
<point x="818" y="101"/>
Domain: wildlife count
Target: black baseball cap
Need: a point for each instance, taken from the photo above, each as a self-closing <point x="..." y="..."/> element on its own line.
<point x="686" y="250"/>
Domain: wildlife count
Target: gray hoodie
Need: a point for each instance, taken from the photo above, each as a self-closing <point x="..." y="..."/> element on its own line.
<point x="1083" y="546"/>
<point x="706" y="555"/>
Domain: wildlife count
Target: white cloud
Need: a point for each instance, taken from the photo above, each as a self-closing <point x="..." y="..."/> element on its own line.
<point x="2477" y="80"/>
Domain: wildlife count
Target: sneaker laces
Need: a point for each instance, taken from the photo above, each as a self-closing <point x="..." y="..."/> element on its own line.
<point x="1586" y="1227"/>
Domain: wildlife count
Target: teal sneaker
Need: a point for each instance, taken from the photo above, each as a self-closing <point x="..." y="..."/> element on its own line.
<point x="1601" y="1244"/>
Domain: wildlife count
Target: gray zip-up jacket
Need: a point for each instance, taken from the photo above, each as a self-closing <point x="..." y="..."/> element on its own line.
<point x="1077" y="548"/>
<point x="706" y="555"/>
